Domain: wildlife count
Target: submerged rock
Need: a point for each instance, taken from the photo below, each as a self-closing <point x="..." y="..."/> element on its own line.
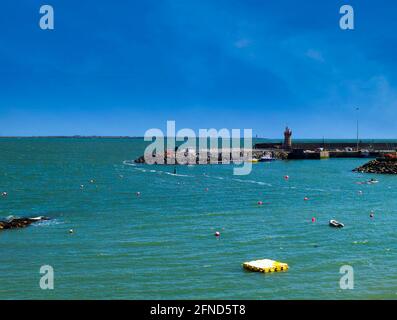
<point x="20" y="222"/>
<point x="141" y="159"/>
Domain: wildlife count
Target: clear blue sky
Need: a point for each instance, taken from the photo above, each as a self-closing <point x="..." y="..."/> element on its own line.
<point x="122" y="67"/>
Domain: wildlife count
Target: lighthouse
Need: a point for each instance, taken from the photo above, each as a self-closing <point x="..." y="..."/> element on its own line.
<point x="287" y="139"/>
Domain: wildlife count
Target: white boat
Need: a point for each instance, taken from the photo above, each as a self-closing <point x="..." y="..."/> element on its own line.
<point x="372" y="181"/>
<point x="266" y="158"/>
<point x="336" y="224"/>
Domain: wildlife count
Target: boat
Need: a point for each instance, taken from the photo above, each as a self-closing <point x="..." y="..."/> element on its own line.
<point x="266" y="158"/>
<point x="365" y="154"/>
<point x="372" y="181"/>
<point x="253" y="160"/>
<point x="336" y="224"/>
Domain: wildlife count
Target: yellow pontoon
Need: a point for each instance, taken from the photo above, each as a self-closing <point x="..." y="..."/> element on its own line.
<point x="265" y="266"/>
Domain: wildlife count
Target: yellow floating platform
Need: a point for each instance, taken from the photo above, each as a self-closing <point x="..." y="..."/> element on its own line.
<point x="265" y="266"/>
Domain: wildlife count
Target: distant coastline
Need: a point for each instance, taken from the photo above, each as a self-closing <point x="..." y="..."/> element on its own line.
<point x="70" y="137"/>
<point x="270" y="140"/>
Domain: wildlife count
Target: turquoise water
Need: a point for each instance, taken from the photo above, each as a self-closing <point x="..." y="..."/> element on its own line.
<point x="161" y="245"/>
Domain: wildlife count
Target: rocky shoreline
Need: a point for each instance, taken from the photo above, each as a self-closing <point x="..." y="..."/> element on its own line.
<point x="17" y="223"/>
<point x="279" y="155"/>
<point x="379" y="166"/>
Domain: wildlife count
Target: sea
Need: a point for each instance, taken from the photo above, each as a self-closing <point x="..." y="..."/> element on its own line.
<point x="143" y="232"/>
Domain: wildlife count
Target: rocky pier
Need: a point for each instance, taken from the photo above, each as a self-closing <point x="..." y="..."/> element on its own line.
<point x="379" y="166"/>
<point x="17" y="223"/>
<point x="217" y="157"/>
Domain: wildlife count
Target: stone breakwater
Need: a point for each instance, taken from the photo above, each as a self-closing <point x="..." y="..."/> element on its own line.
<point x="218" y="158"/>
<point x="380" y="166"/>
<point x="17" y="223"/>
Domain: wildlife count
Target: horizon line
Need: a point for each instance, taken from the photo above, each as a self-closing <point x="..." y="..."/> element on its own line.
<point x="141" y="137"/>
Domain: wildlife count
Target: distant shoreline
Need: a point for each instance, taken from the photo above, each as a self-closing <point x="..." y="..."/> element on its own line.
<point x="347" y="140"/>
<point x="70" y="137"/>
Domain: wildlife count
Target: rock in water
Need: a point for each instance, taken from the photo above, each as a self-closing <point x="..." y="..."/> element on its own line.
<point x="20" y="222"/>
<point x="380" y="165"/>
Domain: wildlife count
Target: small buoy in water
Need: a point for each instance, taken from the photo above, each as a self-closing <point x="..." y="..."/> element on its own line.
<point x="306" y="198"/>
<point x="313" y="219"/>
<point x="92" y="181"/>
<point x="360" y="192"/>
<point x="4" y="194"/>
<point x="217" y="234"/>
<point x="138" y="194"/>
<point x="371" y="215"/>
<point x="286" y="177"/>
<point x="206" y="189"/>
<point x="260" y="203"/>
<point x="81" y="186"/>
<point x="71" y="231"/>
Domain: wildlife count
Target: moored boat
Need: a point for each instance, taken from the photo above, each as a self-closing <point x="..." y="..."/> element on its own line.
<point x="266" y="159"/>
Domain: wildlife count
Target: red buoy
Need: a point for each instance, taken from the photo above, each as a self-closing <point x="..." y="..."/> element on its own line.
<point x="306" y="198"/>
<point x="286" y="177"/>
<point x="313" y="219"/>
<point x="217" y="234"/>
<point x="260" y="203"/>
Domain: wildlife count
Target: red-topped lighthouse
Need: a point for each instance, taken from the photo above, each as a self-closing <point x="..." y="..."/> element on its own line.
<point x="287" y="139"/>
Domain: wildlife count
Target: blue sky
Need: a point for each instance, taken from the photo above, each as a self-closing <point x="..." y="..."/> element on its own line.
<point x="122" y="67"/>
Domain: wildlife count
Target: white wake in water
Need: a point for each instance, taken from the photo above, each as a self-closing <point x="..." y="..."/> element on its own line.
<point x="45" y="223"/>
<point x="137" y="168"/>
<point x="261" y="183"/>
<point x="128" y="163"/>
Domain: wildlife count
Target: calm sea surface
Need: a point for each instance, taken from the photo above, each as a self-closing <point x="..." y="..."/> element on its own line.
<point x="161" y="245"/>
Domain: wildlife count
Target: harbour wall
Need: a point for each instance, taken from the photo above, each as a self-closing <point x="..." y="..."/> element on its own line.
<point x="331" y="146"/>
